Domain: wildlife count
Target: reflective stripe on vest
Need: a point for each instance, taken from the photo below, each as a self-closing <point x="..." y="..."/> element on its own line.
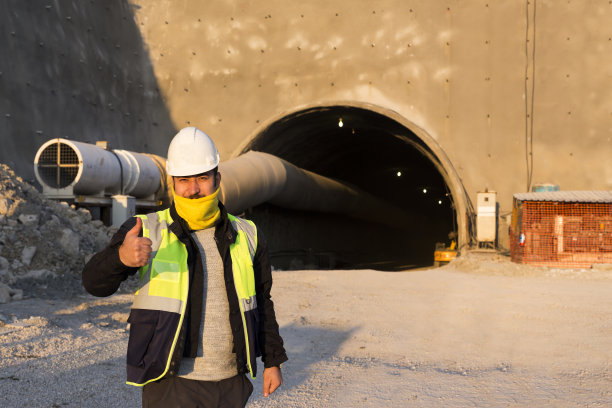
<point x="164" y="282"/>
<point x="242" y="252"/>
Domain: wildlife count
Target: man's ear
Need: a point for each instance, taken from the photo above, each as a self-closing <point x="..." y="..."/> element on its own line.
<point x="218" y="179"/>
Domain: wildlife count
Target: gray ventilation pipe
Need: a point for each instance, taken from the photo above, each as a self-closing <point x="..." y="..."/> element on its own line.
<point x="255" y="178"/>
<point x="66" y="168"/>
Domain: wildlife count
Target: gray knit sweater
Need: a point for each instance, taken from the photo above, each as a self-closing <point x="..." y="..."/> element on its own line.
<point x="215" y="360"/>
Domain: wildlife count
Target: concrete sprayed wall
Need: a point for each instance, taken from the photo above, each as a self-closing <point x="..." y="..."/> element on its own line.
<point x="465" y="72"/>
<point x="499" y="87"/>
<point x="77" y="70"/>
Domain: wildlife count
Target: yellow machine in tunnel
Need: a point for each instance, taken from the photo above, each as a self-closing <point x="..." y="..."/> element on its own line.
<point x="444" y="254"/>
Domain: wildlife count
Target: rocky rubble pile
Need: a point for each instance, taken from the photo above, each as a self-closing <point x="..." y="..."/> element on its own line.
<point x="44" y="244"/>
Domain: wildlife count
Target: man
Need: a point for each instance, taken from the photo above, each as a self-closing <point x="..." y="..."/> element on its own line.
<point x="203" y="312"/>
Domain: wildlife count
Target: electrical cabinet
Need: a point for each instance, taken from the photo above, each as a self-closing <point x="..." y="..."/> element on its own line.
<point x="486" y="217"/>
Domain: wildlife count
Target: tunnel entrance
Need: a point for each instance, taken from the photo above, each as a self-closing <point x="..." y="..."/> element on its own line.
<point x="374" y="153"/>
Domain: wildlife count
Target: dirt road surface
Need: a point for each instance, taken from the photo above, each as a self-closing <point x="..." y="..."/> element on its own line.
<point x="479" y="332"/>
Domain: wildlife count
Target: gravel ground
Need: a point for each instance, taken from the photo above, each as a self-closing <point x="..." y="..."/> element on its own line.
<point x="478" y="332"/>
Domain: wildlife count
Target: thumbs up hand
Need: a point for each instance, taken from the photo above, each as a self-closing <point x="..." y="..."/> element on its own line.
<point x="135" y="250"/>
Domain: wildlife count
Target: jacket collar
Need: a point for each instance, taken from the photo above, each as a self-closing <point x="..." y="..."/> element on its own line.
<point x="225" y="227"/>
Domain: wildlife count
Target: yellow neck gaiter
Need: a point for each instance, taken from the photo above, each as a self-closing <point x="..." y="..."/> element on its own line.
<point x="200" y="213"/>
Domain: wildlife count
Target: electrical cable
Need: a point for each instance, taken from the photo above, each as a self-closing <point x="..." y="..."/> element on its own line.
<point x="529" y="104"/>
<point x="531" y="116"/>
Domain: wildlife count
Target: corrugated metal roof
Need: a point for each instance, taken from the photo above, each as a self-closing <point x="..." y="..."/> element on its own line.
<point x="567" y="196"/>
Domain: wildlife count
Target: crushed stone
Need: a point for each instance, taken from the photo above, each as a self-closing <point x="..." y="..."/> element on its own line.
<point x="44" y="244"/>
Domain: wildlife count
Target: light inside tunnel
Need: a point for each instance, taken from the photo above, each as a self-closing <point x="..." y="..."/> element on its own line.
<point x="362" y="155"/>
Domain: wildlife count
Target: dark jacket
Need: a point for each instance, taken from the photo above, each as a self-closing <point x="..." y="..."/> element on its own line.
<point x="104" y="273"/>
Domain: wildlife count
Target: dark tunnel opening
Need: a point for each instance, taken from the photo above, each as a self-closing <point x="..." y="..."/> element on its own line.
<point x="374" y="153"/>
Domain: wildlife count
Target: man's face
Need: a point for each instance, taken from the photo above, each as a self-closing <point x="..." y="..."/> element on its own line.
<point x="198" y="186"/>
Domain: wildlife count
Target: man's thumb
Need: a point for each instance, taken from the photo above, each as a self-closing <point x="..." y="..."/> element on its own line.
<point x="136" y="230"/>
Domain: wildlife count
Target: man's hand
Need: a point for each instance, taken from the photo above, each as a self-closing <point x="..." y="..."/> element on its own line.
<point x="272" y="379"/>
<point x="135" y="250"/>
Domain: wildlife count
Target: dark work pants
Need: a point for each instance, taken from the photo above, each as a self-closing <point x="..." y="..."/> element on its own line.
<point x="178" y="392"/>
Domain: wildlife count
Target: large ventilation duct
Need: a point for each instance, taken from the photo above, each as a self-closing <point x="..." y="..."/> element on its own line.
<point x="255" y="178"/>
<point x="66" y="168"/>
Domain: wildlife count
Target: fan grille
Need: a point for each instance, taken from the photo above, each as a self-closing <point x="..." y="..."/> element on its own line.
<point x="58" y="165"/>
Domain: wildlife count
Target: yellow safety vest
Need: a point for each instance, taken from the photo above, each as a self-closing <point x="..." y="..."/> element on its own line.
<point x="160" y="301"/>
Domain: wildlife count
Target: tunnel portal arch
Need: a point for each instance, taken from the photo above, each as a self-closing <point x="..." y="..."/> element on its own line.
<point x="380" y="152"/>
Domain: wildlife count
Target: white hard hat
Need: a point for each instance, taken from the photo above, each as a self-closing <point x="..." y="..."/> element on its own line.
<point x="191" y="152"/>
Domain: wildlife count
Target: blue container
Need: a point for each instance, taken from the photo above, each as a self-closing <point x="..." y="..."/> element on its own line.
<point x="544" y="187"/>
